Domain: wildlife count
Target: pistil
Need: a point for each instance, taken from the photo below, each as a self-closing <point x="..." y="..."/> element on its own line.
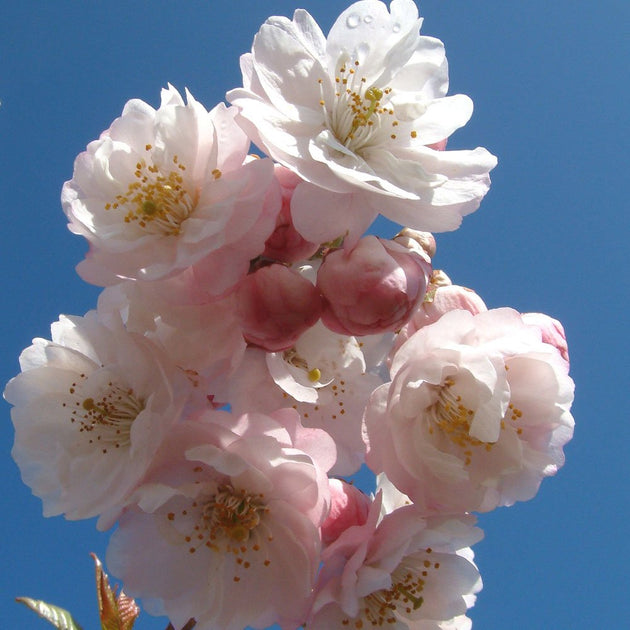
<point x="359" y="114"/>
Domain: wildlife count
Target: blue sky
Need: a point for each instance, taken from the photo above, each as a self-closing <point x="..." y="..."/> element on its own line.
<point x="550" y="86"/>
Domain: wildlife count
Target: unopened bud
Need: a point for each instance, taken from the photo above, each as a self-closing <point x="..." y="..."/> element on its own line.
<point x="275" y="305"/>
<point x="371" y="288"/>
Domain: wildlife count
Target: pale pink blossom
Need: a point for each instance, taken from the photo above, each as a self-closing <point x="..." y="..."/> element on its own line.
<point x="393" y="498"/>
<point x="405" y="571"/>
<point x="91" y="408"/>
<point x="275" y="305"/>
<point x="371" y="288"/>
<point x="353" y="115"/>
<point x="476" y="415"/>
<point x="324" y="376"/>
<point x="286" y="244"/>
<point x="251" y="387"/>
<point x="330" y="381"/>
<point x="218" y="273"/>
<point x="444" y="298"/>
<point x="226" y="526"/>
<point x="162" y="189"/>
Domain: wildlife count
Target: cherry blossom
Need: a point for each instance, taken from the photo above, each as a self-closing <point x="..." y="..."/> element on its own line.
<point x="91" y="408"/>
<point x="324" y="376"/>
<point x="254" y="348"/>
<point x="552" y="332"/>
<point x="349" y="507"/>
<point x="226" y="525"/>
<point x="353" y="114"/>
<point x="162" y="189"/>
<point x="477" y="413"/>
<point x="402" y="571"/>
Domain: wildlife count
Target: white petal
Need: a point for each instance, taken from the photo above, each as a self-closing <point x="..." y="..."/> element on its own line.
<point x="367" y="32"/>
<point x="290" y="80"/>
<point x="442" y="117"/>
<point x="321" y="216"/>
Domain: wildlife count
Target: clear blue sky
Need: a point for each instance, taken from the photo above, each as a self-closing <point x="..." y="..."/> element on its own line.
<point x="550" y="81"/>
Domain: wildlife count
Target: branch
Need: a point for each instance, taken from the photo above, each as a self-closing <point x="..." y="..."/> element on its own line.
<point x="190" y="624"/>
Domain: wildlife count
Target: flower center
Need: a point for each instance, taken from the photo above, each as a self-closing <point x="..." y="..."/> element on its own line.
<point x="292" y="357"/>
<point x="402" y="598"/>
<point x="232" y="514"/>
<point x="224" y="520"/>
<point x="450" y="415"/>
<point x="359" y="116"/>
<point x="107" y="419"/>
<point x="157" y="200"/>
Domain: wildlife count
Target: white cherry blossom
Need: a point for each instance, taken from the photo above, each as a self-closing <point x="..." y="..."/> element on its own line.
<point x="253" y="345"/>
<point x="162" y="189"/>
<point x="91" y="408"/>
<point x="353" y="114"/>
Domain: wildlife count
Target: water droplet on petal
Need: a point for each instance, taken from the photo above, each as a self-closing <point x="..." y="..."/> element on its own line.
<point x="352" y="21"/>
<point x="396" y="28"/>
<point x="368" y="19"/>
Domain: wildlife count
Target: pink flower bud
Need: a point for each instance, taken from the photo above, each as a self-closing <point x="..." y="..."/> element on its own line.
<point x="275" y="305"/>
<point x="371" y="288"/>
<point x="552" y="332"/>
<point x="286" y="243"/>
<point x="349" y="507"/>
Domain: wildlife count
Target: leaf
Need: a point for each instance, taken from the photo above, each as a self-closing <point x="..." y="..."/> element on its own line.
<point x="128" y="611"/>
<point x="116" y="613"/>
<point x="58" y="617"/>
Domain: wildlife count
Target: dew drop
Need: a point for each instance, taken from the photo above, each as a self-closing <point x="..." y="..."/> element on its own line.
<point x="368" y="19"/>
<point x="396" y="28"/>
<point x="353" y="20"/>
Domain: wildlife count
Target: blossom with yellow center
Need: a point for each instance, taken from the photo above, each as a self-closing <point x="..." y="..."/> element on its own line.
<point x="362" y="106"/>
<point x="373" y="576"/>
<point x="458" y="428"/>
<point x="91" y="407"/>
<point x="152" y="200"/>
<point x="231" y="510"/>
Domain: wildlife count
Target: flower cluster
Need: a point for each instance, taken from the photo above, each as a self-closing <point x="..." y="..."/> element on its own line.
<point x="252" y="347"/>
